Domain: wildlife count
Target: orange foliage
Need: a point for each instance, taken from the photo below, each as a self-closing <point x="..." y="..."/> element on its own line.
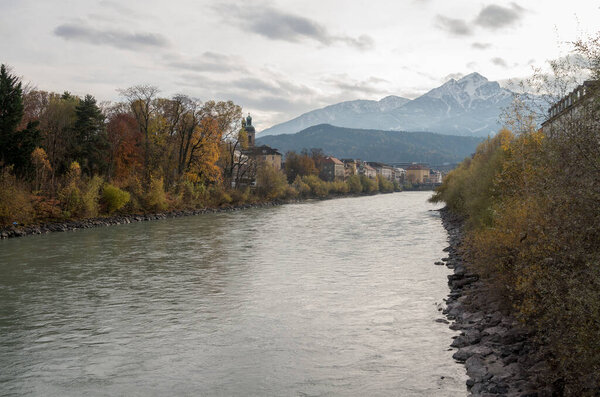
<point x="125" y="143"/>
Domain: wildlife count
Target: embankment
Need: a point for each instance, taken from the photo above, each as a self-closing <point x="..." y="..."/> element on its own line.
<point x="498" y="352"/>
<point x="70" y="225"/>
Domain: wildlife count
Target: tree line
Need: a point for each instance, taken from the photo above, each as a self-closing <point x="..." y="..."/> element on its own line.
<point x="531" y="200"/>
<point x="63" y="156"/>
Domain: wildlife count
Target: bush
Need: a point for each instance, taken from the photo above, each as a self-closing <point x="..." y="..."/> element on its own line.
<point x="156" y="198"/>
<point x="114" y="198"/>
<point x="241" y="196"/>
<point x="368" y="185"/>
<point x="384" y="185"/>
<point x="15" y="200"/>
<point x="218" y="196"/>
<point x="270" y="182"/>
<point x="318" y="187"/>
<point x="70" y="195"/>
<point x="354" y="185"/>
<point x="90" y="197"/>
<point x="302" y="189"/>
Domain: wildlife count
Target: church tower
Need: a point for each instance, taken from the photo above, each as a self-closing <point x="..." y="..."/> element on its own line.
<point x="250" y="131"/>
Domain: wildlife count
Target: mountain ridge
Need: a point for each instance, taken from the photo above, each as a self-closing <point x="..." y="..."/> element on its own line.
<point x="376" y="145"/>
<point x="470" y="106"/>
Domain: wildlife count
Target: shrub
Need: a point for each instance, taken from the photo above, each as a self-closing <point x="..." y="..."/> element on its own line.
<point x="15" y="200"/>
<point x="240" y="196"/>
<point x="384" y="185"/>
<point x="156" y="198"/>
<point x="368" y="185"/>
<point x="318" y="187"/>
<point x="218" y="196"/>
<point x="270" y="182"/>
<point x="354" y="185"/>
<point x="302" y="189"/>
<point x="114" y="198"/>
<point x="70" y="195"/>
<point x="90" y="197"/>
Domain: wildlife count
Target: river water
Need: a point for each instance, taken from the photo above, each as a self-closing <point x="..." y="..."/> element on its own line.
<point x="324" y="298"/>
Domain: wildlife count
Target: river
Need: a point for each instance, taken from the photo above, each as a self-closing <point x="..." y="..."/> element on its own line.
<point x="323" y="298"/>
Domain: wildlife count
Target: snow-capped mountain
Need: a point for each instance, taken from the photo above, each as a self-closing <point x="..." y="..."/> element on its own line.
<point x="469" y="106"/>
<point x="356" y="114"/>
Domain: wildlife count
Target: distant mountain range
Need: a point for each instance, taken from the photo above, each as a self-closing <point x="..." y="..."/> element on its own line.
<point x="377" y="145"/>
<point x="470" y="107"/>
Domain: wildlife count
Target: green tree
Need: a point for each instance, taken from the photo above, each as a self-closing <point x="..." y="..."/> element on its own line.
<point x="89" y="145"/>
<point x="15" y="146"/>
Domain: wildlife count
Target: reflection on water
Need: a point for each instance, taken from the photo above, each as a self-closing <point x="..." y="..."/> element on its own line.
<point x="334" y="297"/>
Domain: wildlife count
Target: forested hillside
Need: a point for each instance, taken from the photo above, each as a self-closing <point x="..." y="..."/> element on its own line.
<point x="375" y="145"/>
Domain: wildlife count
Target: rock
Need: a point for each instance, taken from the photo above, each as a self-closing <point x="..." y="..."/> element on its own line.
<point x="476" y="368"/>
<point x="438" y="263"/>
<point x="465" y="352"/>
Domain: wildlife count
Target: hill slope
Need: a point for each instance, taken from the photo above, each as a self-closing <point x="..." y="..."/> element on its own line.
<point x="377" y="145"/>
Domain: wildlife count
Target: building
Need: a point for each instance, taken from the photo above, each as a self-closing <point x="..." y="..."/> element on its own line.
<point x="573" y="110"/>
<point x="250" y="130"/>
<point x="366" y="170"/>
<point x="382" y="170"/>
<point x="350" y="167"/>
<point x="435" y="177"/>
<point x="333" y="169"/>
<point x="417" y="173"/>
<point x="400" y="175"/>
<point x="264" y="155"/>
<point x="249" y="160"/>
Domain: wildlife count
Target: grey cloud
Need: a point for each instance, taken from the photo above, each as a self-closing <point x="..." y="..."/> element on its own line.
<point x="496" y="17"/>
<point x="457" y="27"/>
<point x="499" y="62"/>
<point x="275" y="24"/>
<point x="113" y="38"/>
<point x="117" y="7"/>
<point x="346" y="85"/>
<point x="481" y="46"/>
<point x="455" y="76"/>
<point x="209" y="62"/>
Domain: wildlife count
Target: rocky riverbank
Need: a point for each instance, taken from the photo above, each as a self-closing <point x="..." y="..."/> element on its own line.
<point x="498" y="352"/>
<point x="70" y="225"/>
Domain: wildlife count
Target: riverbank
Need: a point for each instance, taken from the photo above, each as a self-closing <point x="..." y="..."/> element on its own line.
<point x="76" y="224"/>
<point x="71" y="225"/>
<point x="498" y="352"/>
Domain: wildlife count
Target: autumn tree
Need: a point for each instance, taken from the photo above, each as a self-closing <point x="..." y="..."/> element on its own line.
<point x="299" y="165"/>
<point x="124" y="138"/>
<point x="141" y="100"/>
<point x="234" y="139"/>
<point x="57" y="123"/>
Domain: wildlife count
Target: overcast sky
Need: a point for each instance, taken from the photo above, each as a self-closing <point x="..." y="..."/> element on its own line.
<point x="278" y="59"/>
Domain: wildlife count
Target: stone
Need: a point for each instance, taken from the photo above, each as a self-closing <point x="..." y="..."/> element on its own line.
<point x="465" y="352"/>
<point x="476" y="368"/>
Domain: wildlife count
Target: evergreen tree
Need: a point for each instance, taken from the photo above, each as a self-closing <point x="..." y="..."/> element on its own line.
<point x="90" y="144"/>
<point x="15" y="146"/>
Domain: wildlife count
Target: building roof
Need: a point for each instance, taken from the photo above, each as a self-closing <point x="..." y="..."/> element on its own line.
<point x="248" y="124"/>
<point x="261" y="150"/>
<point x="368" y="167"/>
<point x="417" y="167"/>
<point x="333" y="160"/>
<point x="376" y="164"/>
